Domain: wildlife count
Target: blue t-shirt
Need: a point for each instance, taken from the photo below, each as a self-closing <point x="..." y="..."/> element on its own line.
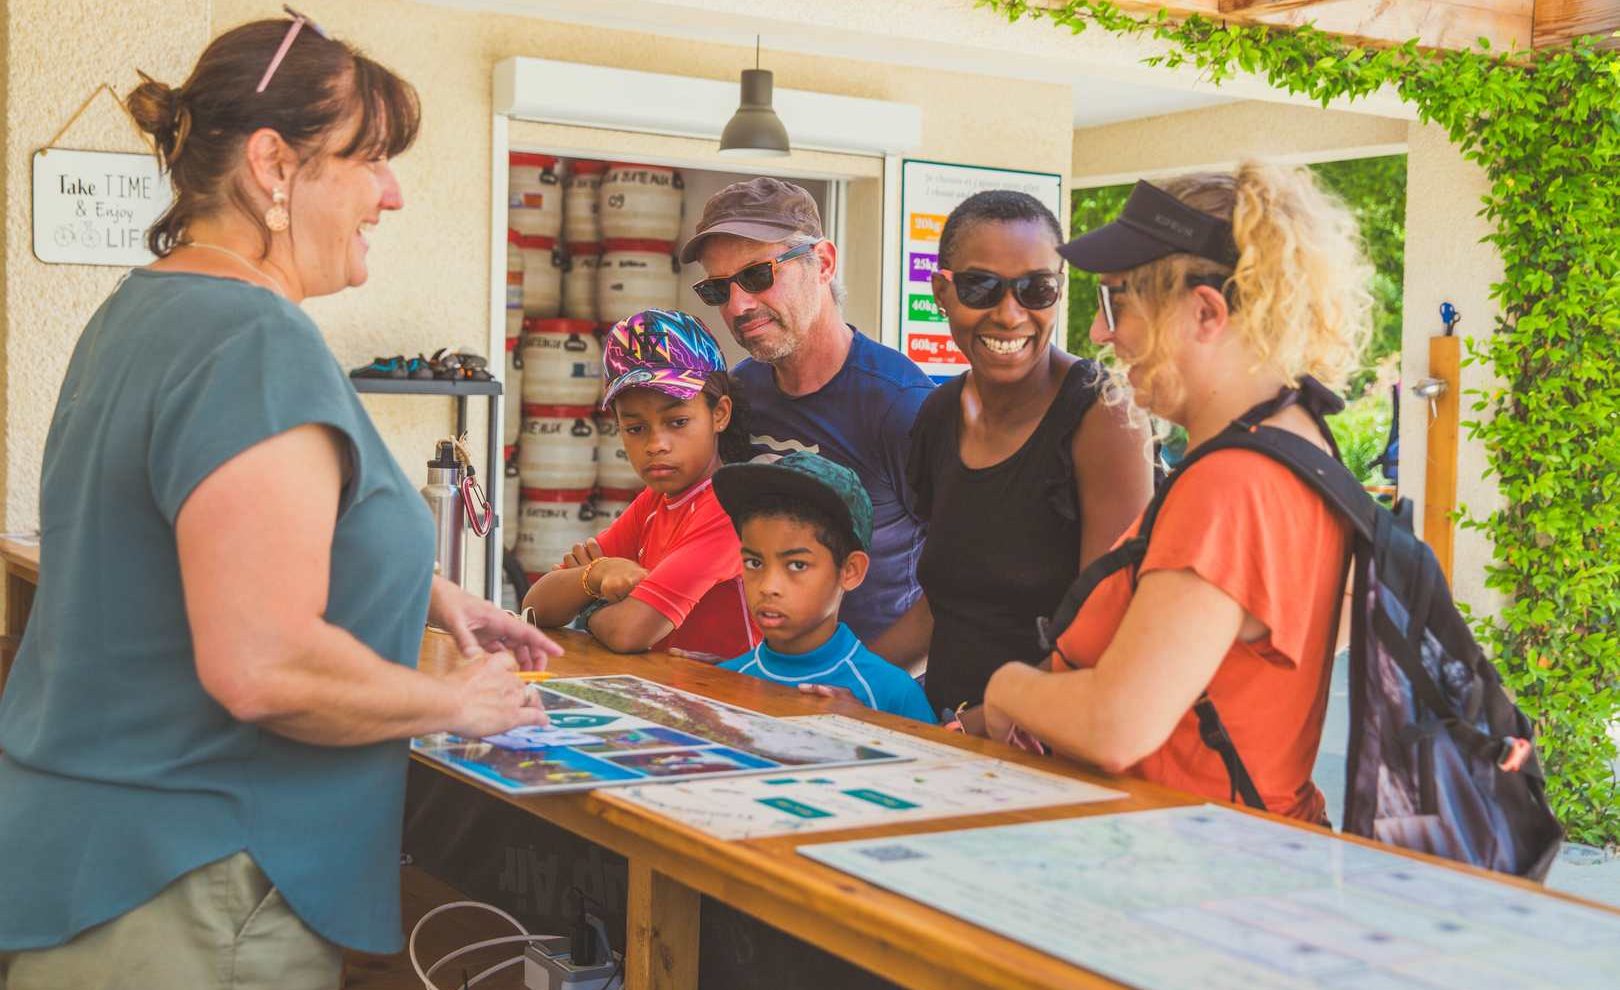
<point x="120" y="772"/>
<point x="861" y="419"/>
<point x="843" y="661"/>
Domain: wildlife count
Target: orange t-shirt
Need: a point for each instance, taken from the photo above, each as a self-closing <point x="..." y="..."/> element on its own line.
<point x="1247" y="525"/>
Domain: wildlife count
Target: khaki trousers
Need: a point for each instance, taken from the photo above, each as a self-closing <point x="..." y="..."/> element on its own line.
<point x="219" y="927"/>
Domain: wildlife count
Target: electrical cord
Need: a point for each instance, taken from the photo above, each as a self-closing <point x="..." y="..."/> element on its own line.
<point x="427" y="976"/>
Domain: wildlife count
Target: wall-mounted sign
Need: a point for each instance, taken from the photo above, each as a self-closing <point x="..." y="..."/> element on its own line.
<point x="929" y="191"/>
<point x="94" y="207"/>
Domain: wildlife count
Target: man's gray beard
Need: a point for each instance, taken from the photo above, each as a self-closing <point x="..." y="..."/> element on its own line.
<point x="770" y="353"/>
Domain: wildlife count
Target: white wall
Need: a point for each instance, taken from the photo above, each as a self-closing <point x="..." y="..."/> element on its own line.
<point x="1447" y="260"/>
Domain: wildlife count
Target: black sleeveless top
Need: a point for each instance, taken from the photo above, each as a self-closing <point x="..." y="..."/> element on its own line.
<point x="1003" y="541"/>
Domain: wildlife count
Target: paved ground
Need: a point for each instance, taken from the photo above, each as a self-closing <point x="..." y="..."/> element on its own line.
<point x="1581" y="870"/>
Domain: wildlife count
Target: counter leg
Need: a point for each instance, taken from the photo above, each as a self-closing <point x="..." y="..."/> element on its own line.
<point x="662" y="936"/>
<point x="19" y="600"/>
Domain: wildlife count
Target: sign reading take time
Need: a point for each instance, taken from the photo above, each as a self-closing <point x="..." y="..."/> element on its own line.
<point x="94" y="207"/>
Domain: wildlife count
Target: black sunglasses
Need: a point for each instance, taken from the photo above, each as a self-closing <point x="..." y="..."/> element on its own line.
<point x="758" y="277"/>
<point x="1106" y="294"/>
<point x="984" y="290"/>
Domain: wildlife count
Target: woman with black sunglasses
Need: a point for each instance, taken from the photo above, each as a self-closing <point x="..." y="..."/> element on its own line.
<point x="1022" y="475"/>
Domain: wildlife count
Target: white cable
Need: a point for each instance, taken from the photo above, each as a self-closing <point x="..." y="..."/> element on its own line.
<point x="615" y="981"/>
<point x="427" y="983"/>
<point x="495" y="969"/>
<point x="464" y="950"/>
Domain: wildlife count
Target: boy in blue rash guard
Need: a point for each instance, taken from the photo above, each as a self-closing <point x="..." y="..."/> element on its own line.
<point x="805" y="524"/>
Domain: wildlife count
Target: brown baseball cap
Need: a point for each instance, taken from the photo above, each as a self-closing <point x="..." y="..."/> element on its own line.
<point x="760" y="209"/>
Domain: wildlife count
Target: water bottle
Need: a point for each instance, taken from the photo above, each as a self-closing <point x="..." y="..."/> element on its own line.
<point x="443" y="494"/>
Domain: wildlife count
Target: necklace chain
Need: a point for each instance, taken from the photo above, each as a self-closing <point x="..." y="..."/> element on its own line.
<point x="281" y="288"/>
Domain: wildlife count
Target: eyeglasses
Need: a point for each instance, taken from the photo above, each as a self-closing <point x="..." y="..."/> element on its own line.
<point x="755" y="278"/>
<point x="1106" y="294"/>
<point x="984" y="290"/>
<point x="299" y="20"/>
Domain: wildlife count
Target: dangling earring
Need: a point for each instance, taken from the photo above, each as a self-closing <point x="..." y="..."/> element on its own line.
<point x="276" y="217"/>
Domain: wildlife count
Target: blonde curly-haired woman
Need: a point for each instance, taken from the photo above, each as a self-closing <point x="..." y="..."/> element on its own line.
<point x="1221" y="294"/>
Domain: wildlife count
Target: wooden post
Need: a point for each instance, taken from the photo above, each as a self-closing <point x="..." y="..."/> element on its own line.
<point x="1440" y="475"/>
<point x="19" y="601"/>
<point x="662" y="945"/>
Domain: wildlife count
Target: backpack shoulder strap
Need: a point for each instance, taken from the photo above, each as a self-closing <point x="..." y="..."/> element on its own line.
<point x="1127" y="554"/>
<point x="1311" y="464"/>
<point x="1317" y="468"/>
<point x="1214" y="735"/>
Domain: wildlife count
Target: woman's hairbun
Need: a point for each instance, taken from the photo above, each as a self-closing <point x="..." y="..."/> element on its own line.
<point x="155" y="105"/>
<point x="160" y="112"/>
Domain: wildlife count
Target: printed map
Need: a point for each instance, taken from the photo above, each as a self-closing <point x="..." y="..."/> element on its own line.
<point x="940" y="782"/>
<point x="1214" y="898"/>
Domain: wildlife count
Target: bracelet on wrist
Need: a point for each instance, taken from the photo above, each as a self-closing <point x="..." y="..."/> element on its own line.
<point x="585" y="578"/>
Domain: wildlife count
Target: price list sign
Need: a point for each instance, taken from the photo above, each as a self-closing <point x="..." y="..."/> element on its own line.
<point x="929" y="191"/>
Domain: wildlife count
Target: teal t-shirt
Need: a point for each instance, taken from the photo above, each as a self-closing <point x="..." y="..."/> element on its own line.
<point x="843" y="661"/>
<point x="119" y="772"/>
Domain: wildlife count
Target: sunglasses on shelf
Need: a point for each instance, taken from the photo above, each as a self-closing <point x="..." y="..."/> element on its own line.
<point x="755" y="278"/>
<point x="984" y="290"/>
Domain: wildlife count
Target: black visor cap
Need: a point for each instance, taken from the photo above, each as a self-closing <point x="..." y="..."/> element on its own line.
<point x="1153" y="224"/>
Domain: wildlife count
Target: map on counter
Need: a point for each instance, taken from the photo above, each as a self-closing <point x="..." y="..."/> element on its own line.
<point x="945" y="781"/>
<point x="869" y="734"/>
<point x="1213" y="898"/>
<point x="608" y="731"/>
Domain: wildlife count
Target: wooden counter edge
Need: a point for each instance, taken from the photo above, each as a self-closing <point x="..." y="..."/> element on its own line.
<point x="891" y="935"/>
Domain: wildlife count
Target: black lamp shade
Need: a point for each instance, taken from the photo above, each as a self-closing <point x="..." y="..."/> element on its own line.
<point x="755" y="130"/>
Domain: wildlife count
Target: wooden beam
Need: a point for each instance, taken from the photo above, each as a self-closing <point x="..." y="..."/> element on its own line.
<point x="1261" y="6"/>
<point x="1434" y="23"/>
<point x="1558" y="22"/>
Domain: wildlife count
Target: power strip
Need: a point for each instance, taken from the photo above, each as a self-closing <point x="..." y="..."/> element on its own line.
<point x="547" y="965"/>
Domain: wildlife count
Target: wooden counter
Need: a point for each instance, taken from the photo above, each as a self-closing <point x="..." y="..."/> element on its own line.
<point x="670" y="864"/>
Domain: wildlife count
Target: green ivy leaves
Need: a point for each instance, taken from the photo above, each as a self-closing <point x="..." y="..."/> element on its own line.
<point x="1545" y="127"/>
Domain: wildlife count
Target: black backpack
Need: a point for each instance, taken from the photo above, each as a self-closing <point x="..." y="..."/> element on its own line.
<point x="1440" y="760"/>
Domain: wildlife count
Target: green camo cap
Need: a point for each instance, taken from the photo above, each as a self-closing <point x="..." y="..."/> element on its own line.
<point x="807" y="477"/>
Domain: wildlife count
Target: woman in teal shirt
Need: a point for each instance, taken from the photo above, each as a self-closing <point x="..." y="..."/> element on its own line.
<point x="201" y="746"/>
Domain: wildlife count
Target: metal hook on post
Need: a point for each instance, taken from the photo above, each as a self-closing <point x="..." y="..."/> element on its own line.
<point x="1441" y="390"/>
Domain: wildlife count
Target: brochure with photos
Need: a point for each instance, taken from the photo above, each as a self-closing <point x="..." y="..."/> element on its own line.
<point x="622" y="729"/>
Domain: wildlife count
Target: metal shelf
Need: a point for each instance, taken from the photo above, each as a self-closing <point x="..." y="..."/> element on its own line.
<point x="416" y="386"/>
<point x="494" y="469"/>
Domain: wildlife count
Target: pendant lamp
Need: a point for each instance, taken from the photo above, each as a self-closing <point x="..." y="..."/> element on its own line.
<point x="754" y="130"/>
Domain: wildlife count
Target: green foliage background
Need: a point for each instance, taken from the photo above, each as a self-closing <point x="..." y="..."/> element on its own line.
<point x="1545" y="128"/>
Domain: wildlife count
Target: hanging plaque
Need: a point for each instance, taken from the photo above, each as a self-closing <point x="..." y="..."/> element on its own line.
<point x="94" y="207"/>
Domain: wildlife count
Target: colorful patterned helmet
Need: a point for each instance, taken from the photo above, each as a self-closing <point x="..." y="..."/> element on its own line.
<point x="661" y="349"/>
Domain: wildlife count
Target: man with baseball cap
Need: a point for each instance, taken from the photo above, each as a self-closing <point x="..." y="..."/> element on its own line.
<point x="814" y="383"/>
